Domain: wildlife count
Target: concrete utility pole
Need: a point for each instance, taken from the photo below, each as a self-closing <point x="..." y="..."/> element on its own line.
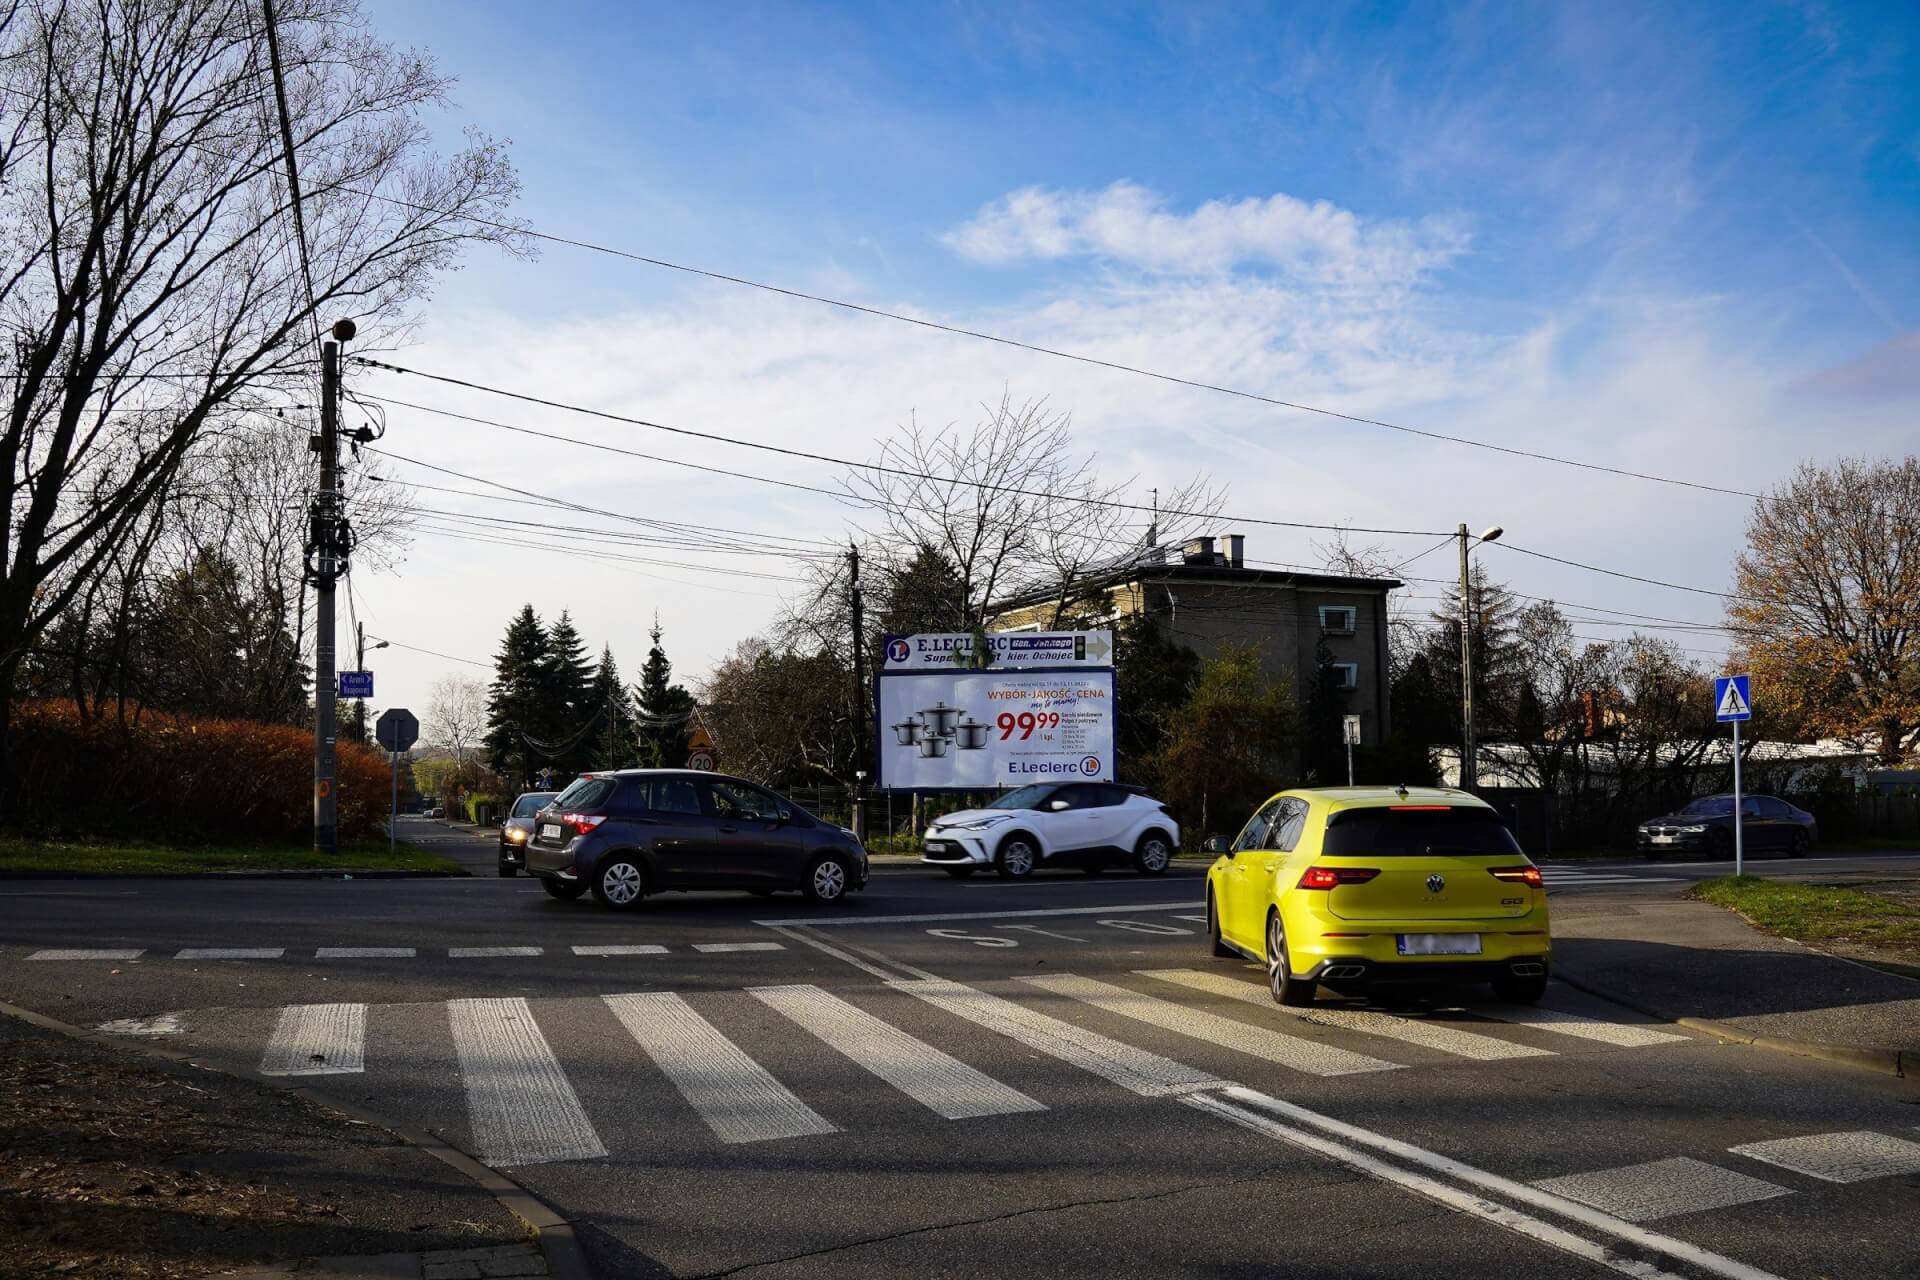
<point x="1469" y="763"/>
<point x="325" y="547"/>
<point x="859" y="703"/>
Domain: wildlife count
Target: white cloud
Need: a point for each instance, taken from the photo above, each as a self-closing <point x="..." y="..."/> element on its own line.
<point x="1309" y="241"/>
<point x="1651" y="383"/>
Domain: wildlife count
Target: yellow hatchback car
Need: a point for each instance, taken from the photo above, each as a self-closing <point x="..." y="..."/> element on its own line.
<point x="1351" y="886"/>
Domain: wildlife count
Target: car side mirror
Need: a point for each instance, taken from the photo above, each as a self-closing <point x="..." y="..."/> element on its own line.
<point x="1215" y="844"/>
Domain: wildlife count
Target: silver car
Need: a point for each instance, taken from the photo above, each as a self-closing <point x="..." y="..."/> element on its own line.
<point x="517" y="829"/>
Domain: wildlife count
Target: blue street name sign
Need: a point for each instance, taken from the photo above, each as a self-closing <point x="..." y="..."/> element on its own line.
<point x="356" y="684"/>
<point x="1732" y="698"/>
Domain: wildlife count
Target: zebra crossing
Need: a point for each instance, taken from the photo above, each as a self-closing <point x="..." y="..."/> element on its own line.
<point x="529" y="1082"/>
<point x="1561" y="877"/>
<point x="515" y="1086"/>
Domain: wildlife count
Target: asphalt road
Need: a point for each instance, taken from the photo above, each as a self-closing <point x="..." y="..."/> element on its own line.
<point x="1047" y="1078"/>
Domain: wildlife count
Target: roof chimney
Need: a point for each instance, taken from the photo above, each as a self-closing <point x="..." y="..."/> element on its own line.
<point x="1198" y="551"/>
<point x="1236" y="550"/>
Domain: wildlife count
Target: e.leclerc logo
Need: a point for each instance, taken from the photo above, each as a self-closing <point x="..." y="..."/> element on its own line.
<point x="897" y="651"/>
<point x="1090" y="766"/>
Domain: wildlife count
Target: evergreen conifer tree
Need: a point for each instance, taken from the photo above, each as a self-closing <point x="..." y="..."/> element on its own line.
<point x="515" y="708"/>
<point x="573" y="716"/>
<point x="665" y="708"/>
<point x="612" y="746"/>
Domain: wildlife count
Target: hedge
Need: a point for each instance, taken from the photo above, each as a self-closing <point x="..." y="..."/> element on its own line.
<point x="177" y="778"/>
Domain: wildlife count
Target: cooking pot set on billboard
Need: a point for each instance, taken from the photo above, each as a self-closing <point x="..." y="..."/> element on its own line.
<point x="935" y="728"/>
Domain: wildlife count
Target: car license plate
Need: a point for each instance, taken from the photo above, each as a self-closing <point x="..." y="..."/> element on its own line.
<point x="936" y="846"/>
<point x="1439" y="944"/>
<point x="549" y="831"/>
<point x="1664" y="839"/>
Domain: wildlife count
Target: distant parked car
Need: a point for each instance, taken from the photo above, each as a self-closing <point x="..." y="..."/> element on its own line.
<point x="628" y="834"/>
<point x="1769" y="825"/>
<point x="1090" y="825"/>
<point x="517" y="829"/>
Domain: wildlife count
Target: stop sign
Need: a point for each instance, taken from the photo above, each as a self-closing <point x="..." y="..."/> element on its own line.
<point x="397" y="729"/>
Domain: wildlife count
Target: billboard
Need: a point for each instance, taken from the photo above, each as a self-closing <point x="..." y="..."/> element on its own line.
<point x="981" y="729"/>
<point x="1005" y="649"/>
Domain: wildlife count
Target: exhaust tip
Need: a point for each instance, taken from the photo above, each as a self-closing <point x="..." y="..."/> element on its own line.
<point x="1528" y="970"/>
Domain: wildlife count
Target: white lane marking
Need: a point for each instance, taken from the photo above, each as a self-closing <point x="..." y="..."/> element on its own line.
<point x="822" y="922"/>
<point x="1838" y="1157"/>
<point x="1662" y="1188"/>
<point x="1144" y="1073"/>
<point x="1307" y="1056"/>
<point x="485" y="953"/>
<point x="83" y="953"/>
<point x="1195" y="919"/>
<point x="885" y="975"/>
<point x="229" y="953"/>
<point x="317" y="1040"/>
<point x="1450" y="1197"/>
<point x="1465" y="1044"/>
<point x="737" y="1097"/>
<point x="623" y="949"/>
<point x="1627" y="1035"/>
<point x="364" y="953"/>
<point x="739" y="946"/>
<point x="521" y="1106"/>
<point x="1033" y="929"/>
<point x="1572" y="1210"/>
<point x="936" y="1080"/>
<point x="1146" y="926"/>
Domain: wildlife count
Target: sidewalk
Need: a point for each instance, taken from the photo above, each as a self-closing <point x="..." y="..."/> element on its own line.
<point x="117" y="1163"/>
<point x="1680" y="959"/>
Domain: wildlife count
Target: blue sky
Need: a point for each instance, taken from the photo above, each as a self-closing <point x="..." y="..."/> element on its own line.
<point x="1678" y="238"/>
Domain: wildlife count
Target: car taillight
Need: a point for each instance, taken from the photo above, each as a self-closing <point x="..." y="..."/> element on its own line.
<point x="1329" y="877"/>
<point x="1522" y="875"/>
<point x="581" y="823"/>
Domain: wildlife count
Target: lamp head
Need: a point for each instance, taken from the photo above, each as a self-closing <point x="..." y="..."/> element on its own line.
<point x="1492" y="535"/>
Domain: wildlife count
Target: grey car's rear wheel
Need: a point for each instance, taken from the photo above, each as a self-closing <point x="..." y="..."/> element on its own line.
<point x="1017" y="858"/>
<point x="827" y="881"/>
<point x="565" y="890"/>
<point x="1153" y="854"/>
<point x="1797" y="847"/>
<point x="621" y="883"/>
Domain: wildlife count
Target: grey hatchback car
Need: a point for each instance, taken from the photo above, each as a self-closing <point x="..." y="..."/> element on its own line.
<point x="627" y="834"/>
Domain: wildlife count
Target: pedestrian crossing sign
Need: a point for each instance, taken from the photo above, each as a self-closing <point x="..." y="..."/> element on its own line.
<point x="1732" y="698"/>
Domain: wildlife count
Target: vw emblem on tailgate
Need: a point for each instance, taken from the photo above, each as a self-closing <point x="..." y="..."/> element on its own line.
<point x="1435" y="883"/>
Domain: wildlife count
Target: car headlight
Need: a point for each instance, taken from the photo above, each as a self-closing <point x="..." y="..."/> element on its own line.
<point x="1695" y="828"/>
<point x="977" y="824"/>
<point x="516" y="836"/>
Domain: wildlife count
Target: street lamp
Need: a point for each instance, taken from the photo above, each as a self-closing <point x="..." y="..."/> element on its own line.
<point x="1469" y="773"/>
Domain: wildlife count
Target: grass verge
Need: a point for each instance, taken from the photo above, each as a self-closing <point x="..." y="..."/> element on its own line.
<point x="1818" y="914"/>
<point x="19" y="853"/>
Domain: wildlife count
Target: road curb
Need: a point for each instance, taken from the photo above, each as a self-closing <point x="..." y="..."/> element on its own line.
<point x="553" y="1232"/>
<point x="304" y="873"/>
<point x="1883" y="1061"/>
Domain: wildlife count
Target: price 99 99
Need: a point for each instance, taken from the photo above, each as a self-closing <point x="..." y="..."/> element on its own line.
<point x="1025" y="723"/>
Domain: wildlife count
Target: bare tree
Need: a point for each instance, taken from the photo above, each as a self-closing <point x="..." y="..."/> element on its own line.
<point x="152" y="284"/>
<point x="457" y="713"/>
<point x="1828" y="601"/>
<point x="1011" y="507"/>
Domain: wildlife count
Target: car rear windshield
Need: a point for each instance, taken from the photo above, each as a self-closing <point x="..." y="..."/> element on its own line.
<point x="1411" y="832"/>
<point x="528" y="805"/>
<point x="587" y="793"/>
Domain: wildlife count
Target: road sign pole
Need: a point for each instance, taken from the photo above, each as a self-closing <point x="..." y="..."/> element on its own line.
<point x="1739" y="852"/>
<point x="393" y="811"/>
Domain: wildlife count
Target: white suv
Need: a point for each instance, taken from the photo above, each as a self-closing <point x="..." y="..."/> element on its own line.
<point x="1091" y="825"/>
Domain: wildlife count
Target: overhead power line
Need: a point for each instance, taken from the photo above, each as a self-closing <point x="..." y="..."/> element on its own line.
<point x="431" y="653"/>
<point x="908" y="473"/>
<point x="1616" y="573"/>
<point x="1057" y="354"/>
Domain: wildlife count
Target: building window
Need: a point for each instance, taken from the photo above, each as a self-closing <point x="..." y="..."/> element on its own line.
<point x="1337" y="619"/>
<point x="1346" y="675"/>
